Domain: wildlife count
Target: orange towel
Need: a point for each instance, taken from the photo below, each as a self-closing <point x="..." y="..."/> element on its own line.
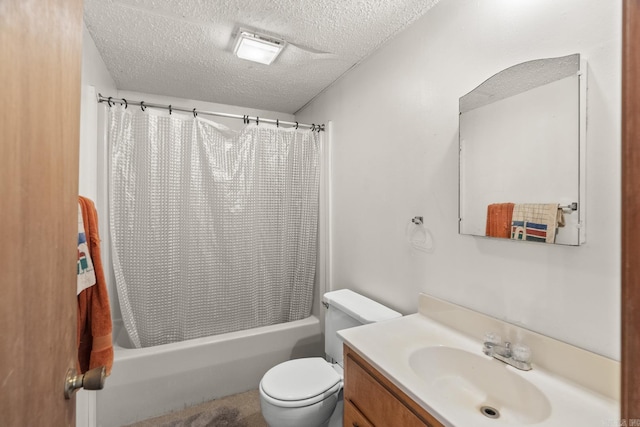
<point x="499" y="220"/>
<point x="95" y="346"/>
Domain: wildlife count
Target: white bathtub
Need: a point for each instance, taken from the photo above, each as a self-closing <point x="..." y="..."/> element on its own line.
<point x="152" y="381"/>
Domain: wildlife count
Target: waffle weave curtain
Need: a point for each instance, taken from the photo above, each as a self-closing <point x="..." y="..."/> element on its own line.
<point x="212" y="230"/>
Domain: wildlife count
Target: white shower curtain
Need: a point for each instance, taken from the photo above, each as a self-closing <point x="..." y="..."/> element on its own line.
<point x="213" y="230"/>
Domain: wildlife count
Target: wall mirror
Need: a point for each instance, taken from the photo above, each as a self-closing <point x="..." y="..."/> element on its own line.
<point x="522" y="153"/>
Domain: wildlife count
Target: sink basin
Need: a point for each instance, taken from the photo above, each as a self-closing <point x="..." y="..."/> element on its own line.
<point x="473" y="382"/>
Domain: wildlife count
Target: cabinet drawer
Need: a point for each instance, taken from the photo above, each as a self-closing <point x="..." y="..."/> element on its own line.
<point x="353" y="417"/>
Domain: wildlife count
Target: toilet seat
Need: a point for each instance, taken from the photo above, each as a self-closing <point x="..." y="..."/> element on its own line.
<point x="300" y="382"/>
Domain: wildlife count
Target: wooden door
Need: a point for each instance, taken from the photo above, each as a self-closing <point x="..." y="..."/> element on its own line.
<point x="40" y="64"/>
<point x="631" y="212"/>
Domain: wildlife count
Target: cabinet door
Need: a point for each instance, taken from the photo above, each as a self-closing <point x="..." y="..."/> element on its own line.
<point x="374" y="401"/>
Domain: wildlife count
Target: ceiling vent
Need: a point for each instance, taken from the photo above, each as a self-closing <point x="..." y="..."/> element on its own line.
<point x="257" y="47"/>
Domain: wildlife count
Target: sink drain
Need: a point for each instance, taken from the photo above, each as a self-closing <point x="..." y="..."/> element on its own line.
<point x="490" y="412"/>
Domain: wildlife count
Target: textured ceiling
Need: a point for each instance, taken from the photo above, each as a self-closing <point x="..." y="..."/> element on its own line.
<point x="184" y="48"/>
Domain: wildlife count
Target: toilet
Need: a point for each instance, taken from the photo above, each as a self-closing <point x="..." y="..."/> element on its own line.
<point x="307" y="392"/>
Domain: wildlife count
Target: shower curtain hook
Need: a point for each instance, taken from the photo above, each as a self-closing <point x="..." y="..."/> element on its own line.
<point x="109" y="102"/>
<point x="313" y="127"/>
<point x="142" y="107"/>
<point x="257" y="121"/>
<point x="296" y="125"/>
<point x="194" y="113"/>
<point x="170" y="110"/>
<point x="126" y="104"/>
<point x="277" y="123"/>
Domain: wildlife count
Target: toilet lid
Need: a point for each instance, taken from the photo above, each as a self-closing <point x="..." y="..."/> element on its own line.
<point x="299" y="379"/>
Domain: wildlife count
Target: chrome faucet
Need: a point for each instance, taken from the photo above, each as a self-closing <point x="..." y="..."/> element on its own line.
<point x="519" y="356"/>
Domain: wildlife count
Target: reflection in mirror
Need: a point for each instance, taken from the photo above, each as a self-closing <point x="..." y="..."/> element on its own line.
<point x="522" y="153"/>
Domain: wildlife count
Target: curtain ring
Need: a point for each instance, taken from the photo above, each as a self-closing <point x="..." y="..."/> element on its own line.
<point x="313" y="127"/>
<point x="142" y="107"/>
<point x="109" y="102"/>
<point x="257" y="121"/>
<point x="277" y="123"/>
<point x="296" y="125"/>
<point x="126" y="104"/>
<point x="170" y="109"/>
<point x="194" y="113"/>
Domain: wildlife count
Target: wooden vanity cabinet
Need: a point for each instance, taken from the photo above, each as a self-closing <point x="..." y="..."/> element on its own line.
<point x="371" y="400"/>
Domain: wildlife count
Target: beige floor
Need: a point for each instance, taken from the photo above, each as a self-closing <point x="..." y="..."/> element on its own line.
<point x="239" y="410"/>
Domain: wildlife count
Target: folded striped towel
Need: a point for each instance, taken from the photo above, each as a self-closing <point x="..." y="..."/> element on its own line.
<point x="86" y="275"/>
<point x="536" y="222"/>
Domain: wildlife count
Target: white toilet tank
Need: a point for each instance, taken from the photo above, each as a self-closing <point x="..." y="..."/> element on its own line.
<point x="347" y="309"/>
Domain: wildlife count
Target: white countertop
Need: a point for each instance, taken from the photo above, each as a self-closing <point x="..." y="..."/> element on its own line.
<point x="388" y="345"/>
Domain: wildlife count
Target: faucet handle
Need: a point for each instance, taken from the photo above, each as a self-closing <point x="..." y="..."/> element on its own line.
<point x="521" y="352"/>
<point x="492" y="338"/>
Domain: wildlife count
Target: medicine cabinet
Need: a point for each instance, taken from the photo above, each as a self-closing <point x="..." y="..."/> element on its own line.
<point x="522" y="141"/>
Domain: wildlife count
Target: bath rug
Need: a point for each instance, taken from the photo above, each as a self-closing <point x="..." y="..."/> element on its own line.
<point x="238" y="410"/>
<point x="218" y="417"/>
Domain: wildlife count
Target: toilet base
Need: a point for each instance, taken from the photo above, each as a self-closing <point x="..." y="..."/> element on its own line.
<point x="336" y="417"/>
<point x="327" y="413"/>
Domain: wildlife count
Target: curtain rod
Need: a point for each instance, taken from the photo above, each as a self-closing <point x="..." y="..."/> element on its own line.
<point x="247" y="119"/>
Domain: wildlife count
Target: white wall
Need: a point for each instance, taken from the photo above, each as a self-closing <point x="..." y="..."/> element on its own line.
<point x="95" y="79"/>
<point x="394" y="156"/>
